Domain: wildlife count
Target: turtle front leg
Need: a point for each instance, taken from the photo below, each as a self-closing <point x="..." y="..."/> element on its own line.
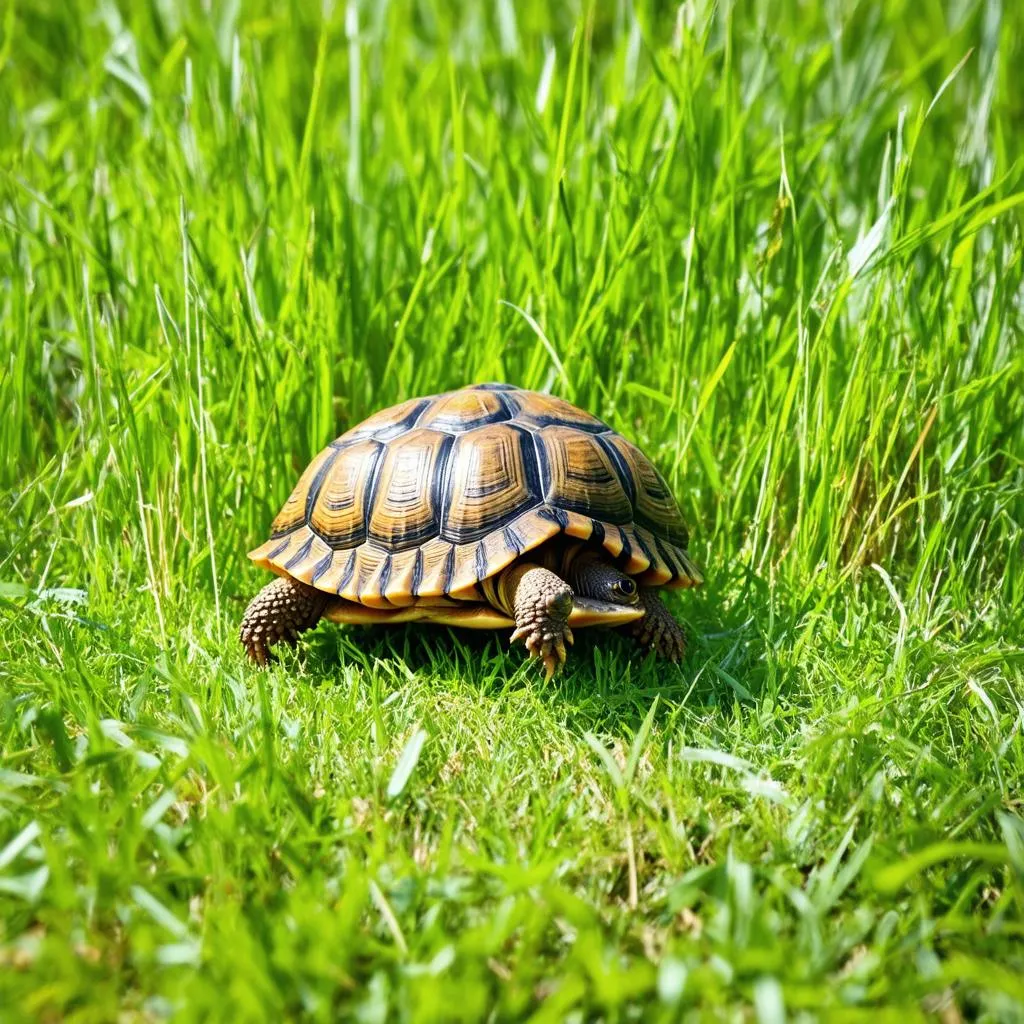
<point x="657" y="630"/>
<point x="280" y="611"/>
<point x="540" y="602"/>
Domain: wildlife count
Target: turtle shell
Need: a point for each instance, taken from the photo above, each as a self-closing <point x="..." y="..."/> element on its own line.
<point x="432" y="496"/>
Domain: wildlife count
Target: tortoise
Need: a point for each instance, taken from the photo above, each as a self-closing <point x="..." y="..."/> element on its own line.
<point x="487" y="507"/>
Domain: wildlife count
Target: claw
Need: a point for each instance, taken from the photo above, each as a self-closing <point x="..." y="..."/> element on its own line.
<point x="559" y="648"/>
<point x="260" y="653"/>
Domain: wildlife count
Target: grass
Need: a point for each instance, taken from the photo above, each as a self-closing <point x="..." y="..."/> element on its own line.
<point x="779" y="245"/>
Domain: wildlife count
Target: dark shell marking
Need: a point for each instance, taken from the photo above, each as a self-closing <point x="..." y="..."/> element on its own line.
<point x="434" y="495"/>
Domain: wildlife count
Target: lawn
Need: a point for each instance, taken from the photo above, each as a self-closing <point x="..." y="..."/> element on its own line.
<point x="776" y="243"/>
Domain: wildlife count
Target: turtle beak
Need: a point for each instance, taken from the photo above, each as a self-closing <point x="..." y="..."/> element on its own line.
<point x="588" y="612"/>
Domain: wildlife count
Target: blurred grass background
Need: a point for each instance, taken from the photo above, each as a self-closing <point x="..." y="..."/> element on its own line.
<point x="778" y="244"/>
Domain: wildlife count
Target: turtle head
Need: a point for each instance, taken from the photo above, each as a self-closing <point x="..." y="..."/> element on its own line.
<point x="605" y="596"/>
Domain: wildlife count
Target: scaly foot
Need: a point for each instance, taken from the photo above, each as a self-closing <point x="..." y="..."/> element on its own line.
<point x="280" y="611"/>
<point x="542" y="604"/>
<point x="658" y="630"/>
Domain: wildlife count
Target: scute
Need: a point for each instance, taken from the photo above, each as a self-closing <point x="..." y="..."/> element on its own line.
<point x="339" y="509"/>
<point x="405" y="507"/>
<point x="465" y="410"/>
<point x="424" y="500"/>
<point x="365" y="570"/>
<point x="654" y="505"/>
<point x="293" y="512"/>
<point x="303" y="563"/>
<point x="580" y="476"/>
<point x="388" y="423"/>
<point x="398" y="589"/>
<point x="493" y="479"/>
<point x="437" y="564"/>
<point x="537" y="410"/>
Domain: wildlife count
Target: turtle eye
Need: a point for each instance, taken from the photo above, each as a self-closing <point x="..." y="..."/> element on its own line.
<point x="625" y="588"/>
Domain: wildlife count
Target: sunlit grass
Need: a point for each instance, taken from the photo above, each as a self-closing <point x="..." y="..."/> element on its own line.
<point x="776" y="244"/>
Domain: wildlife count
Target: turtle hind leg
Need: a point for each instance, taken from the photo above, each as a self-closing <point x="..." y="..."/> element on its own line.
<point x="280" y="611"/>
<point x="657" y="631"/>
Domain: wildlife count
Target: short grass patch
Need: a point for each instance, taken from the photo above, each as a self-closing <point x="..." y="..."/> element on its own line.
<point x="777" y="244"/>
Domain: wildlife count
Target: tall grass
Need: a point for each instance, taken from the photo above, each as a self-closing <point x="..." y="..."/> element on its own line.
<point x="777" y="244"/>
